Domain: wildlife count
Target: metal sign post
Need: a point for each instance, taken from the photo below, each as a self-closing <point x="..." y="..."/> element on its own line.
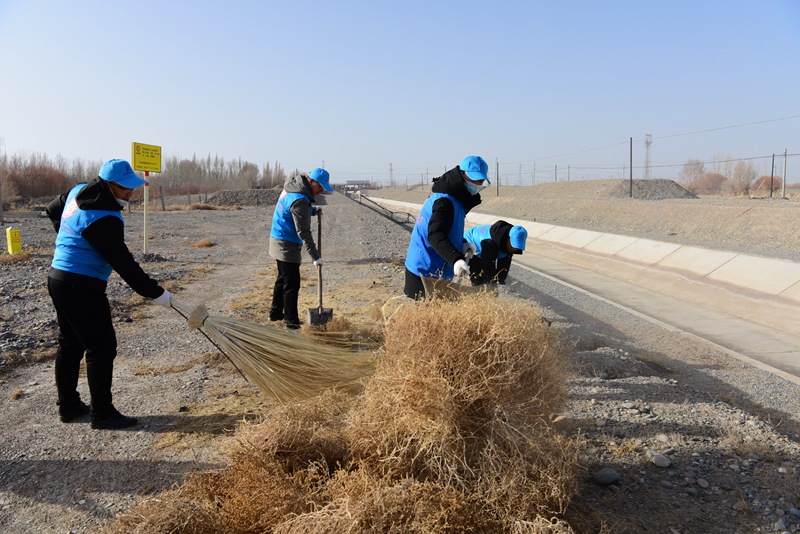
<point x="146" y="158"/>
<point x="146" y="201"/>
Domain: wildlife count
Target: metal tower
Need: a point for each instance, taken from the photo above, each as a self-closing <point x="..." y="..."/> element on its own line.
<point x="648" y="140"/>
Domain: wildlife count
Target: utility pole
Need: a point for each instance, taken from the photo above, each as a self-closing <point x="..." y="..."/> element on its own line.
<point x="497" y="174"/>
<point x="630" y="193"/>
<point x="783" y="187"/>
<point x="555" y="174"/>
<point x="533" y="174"/>
<point x="391" y="176"/>
<point x="772" y="176"/>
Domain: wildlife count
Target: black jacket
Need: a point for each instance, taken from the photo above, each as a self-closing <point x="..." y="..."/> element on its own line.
<point x="442" y="215"/>
<point x="107" y="236"/>
<point x="486" y="267"/>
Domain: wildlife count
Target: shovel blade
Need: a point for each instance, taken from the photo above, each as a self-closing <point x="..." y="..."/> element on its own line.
<point x="319" y="316"/>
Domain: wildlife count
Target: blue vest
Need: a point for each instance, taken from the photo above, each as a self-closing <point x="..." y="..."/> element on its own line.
<point x="283" y="227"/>
<point x="421" y="258"/>
<point x="476" y="234"/>
<point x="73" y="253"/>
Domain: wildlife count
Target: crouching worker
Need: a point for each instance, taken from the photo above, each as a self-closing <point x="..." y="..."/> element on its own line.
<point x="436" y="249"/>
<point x="90" y="244"/>
<point x="493" y="246"/>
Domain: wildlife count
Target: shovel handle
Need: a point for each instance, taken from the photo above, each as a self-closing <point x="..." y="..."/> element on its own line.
<point x="319" y="286"/>
<point x="319" y="232"/>
<point x="319" y="267"/>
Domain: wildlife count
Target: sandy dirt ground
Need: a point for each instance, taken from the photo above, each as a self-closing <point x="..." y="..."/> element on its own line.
<point x="639" y="393"/>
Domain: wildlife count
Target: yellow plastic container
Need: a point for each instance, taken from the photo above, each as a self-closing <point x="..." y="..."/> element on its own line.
<point x="13" y="240"/>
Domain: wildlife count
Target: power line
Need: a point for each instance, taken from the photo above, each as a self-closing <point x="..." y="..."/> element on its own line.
<point x="660" y="137"/>
<point x="730" y="127"/>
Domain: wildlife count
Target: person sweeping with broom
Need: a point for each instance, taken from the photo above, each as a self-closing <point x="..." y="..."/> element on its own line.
<point x="437" y="248"/>
<point x="89" y="245"/>
<point x="291" y="230"/>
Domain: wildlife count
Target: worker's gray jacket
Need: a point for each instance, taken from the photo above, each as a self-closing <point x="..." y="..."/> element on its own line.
<point x="301" y="213"/>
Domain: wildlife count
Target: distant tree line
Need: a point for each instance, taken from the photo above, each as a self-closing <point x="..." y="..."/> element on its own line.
<point x="36" y="176"/>
<point x="726" y="177"/>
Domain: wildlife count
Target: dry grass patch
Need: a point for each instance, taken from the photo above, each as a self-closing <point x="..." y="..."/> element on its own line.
<point x="216" y="419"/>
<point x="208" y="360"/>
<point x="200" y="206"/>
<point x="203" y="243"/>
<point x="15" y="357"/>
<point x="451" y="434"/>
<point x="21" y="256"/>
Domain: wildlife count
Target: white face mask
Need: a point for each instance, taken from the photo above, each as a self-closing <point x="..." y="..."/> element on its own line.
<point x="121" y="202"/>
<point x="473" y="189"/>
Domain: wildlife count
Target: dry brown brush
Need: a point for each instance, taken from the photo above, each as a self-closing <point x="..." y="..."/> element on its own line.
<point x="462" y="397"/>
<point x="451" y="434"/>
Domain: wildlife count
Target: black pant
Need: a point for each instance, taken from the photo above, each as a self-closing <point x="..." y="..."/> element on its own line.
<point x="284" y="293"/>
<point x="84" y="321"/>
<point x="413" y="287"/>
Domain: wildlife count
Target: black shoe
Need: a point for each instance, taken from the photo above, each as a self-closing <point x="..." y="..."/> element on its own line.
<point x="69" y="413"/>
<point x="276" y="317"/>
<point x="112" y="421"/>
<point x="294" y="326"/>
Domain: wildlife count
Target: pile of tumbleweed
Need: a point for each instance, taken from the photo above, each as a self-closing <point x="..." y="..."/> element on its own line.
<point x="451" y="433"/>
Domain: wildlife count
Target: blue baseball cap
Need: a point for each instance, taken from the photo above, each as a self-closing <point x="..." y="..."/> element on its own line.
<point x="322" y="177"/>
<point x="476" y="168"/>
<point x="518" y="235"/>
<point x="120" y="172"/>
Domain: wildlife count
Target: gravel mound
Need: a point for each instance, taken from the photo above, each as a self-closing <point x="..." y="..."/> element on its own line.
<point x="245" y="197"/>
<point x="659" y="189"/>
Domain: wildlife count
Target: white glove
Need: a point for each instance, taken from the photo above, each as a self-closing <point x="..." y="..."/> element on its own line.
<point x="461" y="268"/>
<point x="469" y="250"/>
<point x="164" y="300"/>
<point x="319" y="263"/>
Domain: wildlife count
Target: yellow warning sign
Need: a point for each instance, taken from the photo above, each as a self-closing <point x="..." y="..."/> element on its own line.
<point x="146" y="157"/>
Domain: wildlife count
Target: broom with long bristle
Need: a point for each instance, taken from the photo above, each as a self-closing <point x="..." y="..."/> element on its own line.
<point x="284" y="364"/>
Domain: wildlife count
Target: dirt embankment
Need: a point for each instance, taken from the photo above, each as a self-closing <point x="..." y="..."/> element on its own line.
<point x="659" y="209"/>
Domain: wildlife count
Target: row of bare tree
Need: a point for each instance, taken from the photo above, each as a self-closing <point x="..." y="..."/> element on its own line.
<point x="36" y="176"/>
<point x="726" y="177"/>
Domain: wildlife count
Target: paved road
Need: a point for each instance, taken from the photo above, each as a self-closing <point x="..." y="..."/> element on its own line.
<point x="762" y="346"/>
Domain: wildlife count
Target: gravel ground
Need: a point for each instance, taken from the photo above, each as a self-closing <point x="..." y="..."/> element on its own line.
<point x="677" y="437"/>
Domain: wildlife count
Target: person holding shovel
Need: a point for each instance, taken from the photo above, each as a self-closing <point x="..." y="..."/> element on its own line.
<point x="291" y="230"/>
<point x="493" y="246"/>
<point x="437" y="248"/>
<point x="90" y="244"/>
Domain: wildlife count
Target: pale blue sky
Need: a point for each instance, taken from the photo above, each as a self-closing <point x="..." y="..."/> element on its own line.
<point x="415" y="84"/>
